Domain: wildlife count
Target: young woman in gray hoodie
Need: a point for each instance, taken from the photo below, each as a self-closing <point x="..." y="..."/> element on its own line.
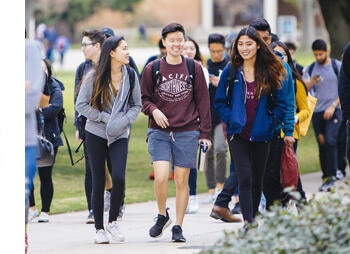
<point x="110" y="106"/>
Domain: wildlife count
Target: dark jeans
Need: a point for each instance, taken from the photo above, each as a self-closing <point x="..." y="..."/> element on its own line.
<point x="230" y="188"/>
<point x="348" y="139"/>
<point x="342" y="157"/>
<point x="46" y="187"/>
<point x="329" y="129"/>
<point x="192" y="181"/>
<point x="250" y="163"/>
<point x="98" y="150"/>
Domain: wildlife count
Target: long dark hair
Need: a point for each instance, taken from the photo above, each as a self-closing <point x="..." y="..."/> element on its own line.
<point x="269" y="70"/>
<point x="100" y="94"/>
<point x="295" y="73"/>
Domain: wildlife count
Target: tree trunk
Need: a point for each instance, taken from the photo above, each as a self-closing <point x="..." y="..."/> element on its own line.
<point x="336" y="15"/>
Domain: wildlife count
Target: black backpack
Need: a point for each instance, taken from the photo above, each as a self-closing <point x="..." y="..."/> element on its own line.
<point x="231" y="75"/>
<point x="156" y="75"/>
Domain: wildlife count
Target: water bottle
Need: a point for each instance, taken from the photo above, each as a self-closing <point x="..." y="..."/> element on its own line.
<point x="202" y="157"/>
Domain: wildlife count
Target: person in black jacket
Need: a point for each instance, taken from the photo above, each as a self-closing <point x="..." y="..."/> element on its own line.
<point x="48" y="110"/>
<point x="344" y="93"/>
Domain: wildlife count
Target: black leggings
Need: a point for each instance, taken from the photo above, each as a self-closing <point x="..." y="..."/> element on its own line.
<point x="116" y="154"/>
<point x="250" y="161"/>
<point x="46" y="187"/>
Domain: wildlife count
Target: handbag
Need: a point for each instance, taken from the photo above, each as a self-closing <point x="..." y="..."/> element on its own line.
<point x="45" y="154"/>
<point x="289" y="168"/>
<point x="304" y="125"/>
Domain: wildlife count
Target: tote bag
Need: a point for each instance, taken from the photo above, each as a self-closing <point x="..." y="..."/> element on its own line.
<point x="304" y="126"/>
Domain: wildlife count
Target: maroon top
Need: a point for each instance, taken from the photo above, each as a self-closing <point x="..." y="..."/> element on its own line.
<point x="187" y="107"/>
<point x="250" y="108"/>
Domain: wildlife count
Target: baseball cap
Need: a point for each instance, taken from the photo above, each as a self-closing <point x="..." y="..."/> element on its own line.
<point x="108" y="32"/>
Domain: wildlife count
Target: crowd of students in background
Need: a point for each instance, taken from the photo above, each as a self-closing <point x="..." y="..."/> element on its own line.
<point x="250" y="121"/>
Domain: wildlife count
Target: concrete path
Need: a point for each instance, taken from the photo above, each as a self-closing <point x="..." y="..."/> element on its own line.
<point x="68" y="233"/>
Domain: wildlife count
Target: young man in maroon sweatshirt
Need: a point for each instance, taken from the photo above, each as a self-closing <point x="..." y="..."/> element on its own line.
<point x="179" y="119"/>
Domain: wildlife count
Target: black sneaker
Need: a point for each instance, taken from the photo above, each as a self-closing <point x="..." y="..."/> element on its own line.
<point x="162" y="223"/>
<point x="177" y="234"/>
<point x="236" y="209"/>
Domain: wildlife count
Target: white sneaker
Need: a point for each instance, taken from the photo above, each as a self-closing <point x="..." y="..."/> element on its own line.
<point x="101" y="237"/>
<point x="114" y="230"/>
<point x="107" y="201"/>
<point x="43" y="217"/>
<point x="193" y="205"/>
<point x="339" y="175"/>
<point x="32" y="214"/>
<point x="209" y="199"/>
<point x="292" y="208"/>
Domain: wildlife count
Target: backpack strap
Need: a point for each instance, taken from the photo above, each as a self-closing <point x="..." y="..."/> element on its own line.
<point x="311" y="68"/>
<point x="156" y="72"/>
<point x="334" y="66"/>
<point x="231" y="75"/>
<point x="191" y="70"/>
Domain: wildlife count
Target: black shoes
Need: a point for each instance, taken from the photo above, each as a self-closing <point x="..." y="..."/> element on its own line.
<point x="177" y="234"/>
<point x="162" y="223"/>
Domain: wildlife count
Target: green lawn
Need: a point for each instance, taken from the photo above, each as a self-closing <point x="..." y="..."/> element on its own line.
<point x="68" y="180"/>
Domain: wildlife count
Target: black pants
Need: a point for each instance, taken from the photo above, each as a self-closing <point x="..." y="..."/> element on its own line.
<point x="116" y="153"/>
<point x="250" y="162"/>
<point x="87" y="179"/>
<point x="46" y="187"/>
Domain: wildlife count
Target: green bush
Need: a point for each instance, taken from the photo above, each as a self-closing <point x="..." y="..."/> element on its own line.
<point x="321" y="226"/>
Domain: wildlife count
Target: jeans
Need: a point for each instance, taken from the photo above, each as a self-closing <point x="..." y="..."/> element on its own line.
<point x="326" y="132"/>
<point x="250" y="163"/>
<point x="30" y="170"/>
<point x="342" y="147"/>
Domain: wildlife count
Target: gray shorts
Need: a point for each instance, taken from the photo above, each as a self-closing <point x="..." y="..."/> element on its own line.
<point x="178" y="147"/>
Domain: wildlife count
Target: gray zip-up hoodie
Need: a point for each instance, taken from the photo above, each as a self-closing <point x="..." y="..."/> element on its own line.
<point x="112" y="123"/>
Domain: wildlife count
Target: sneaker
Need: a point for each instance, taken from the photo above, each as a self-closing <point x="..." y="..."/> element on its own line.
<point x="177" y="234"/>
<point x="43" y="217"/>
<point x="236" y="209"/>
<point x="162" y="223"/>
<point x="339" y="175"/>
<point x="101" y="237"/>
<point x="121" y="212"/>
<point x="292" y="208"/>
<point x="90" y="219"/>
<point x="107" y="201"/>
<point x="32" y="213"/>
<point x="209" y="199"/>
<point x="114" y="230"/>
<point x="193" y="205"/>
<point x="327" y="185"/>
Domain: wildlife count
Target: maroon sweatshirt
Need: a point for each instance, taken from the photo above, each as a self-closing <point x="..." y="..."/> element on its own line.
<point x="186" y="106"/>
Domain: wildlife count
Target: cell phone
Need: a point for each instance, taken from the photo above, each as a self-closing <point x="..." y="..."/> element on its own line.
<point x="211" y="75"/>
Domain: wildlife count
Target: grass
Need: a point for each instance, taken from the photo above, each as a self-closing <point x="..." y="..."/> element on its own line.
<point x="69" y="194"/>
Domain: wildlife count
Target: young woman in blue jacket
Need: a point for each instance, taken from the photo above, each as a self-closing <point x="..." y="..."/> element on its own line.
<point x="256" y="105"/>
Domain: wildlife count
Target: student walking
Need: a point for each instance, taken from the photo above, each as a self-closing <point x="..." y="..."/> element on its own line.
<point x="179" y="119"/>
<point x="91" y="45"/>
<point x="49" y="110"/>
<point x="321" y="79"/>
<point x="191" y="50"/>
<point x="344" y="95"/>
<point x="248" y="113"/>
<point x="110" y="104"/>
